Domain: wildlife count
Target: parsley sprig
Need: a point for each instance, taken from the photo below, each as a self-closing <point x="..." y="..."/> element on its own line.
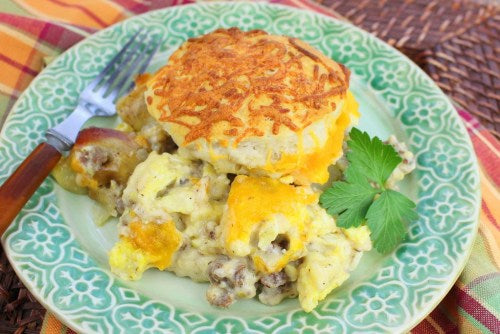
<point x="363" y="197"/>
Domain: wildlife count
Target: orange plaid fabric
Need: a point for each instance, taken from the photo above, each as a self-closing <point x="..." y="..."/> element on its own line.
<point x="53" y="326"/>
<point x="93" y="14"/>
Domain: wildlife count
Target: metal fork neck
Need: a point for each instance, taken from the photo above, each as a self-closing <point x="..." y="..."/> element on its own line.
<point x="58" y="141"/>
<point x="63" y="135"/>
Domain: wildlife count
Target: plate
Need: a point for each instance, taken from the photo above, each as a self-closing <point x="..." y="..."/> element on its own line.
<point x="60" y="254"/>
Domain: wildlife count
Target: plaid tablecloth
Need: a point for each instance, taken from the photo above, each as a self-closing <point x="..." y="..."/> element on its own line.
<point x="34" y="31"/>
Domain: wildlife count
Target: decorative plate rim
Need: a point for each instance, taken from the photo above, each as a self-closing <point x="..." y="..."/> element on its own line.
<point x="421" y="313"/>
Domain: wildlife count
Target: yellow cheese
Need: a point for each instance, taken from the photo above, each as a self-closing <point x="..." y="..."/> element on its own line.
<point x="313" y="167"/>
<point x="147" y="245"/>
<point x="271" y="207"/>
<point x="160" y="241"/>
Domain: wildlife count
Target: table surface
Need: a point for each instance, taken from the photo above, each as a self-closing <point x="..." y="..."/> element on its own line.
<point x="455" y="42"/>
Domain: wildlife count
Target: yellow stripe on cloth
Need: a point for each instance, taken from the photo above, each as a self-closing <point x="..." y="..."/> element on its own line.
<point x="480" y="136"/>
<point x="490" y="219"/>
<point x="95" y="14"/>
<point x="21" y="58"/>
<point x="106" y="11"/>
<point x="51" y="325"/>
<point x="10" y="82"/>
<point x="18" y="50"/>
<point x="23" y="37"/>
<point x="14" y="66"/>
<point x="8" y="90"/>
<point x="490" y="240"/>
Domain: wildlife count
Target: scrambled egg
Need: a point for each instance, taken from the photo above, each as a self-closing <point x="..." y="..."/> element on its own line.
<point x="262" y="213"/>
<point x="276" y="124"/>
<point x="267" y="208"/>
<point x="182" y="216"/>
<point x="329" y="260"/>
<point x="147" y="245"/>
<point x="165" y="195"/>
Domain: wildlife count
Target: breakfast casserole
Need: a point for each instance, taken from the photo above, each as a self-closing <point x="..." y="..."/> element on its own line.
<point x="217" y="169"/>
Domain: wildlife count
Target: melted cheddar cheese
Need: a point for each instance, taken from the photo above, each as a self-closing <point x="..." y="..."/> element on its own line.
<point x="147" y="245"/>
<point x="313" y="167"/>
<point x="263" y="209"/>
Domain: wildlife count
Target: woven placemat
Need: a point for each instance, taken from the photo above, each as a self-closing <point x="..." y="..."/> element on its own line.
<point x="19" y="310"/>
<point x="456" y="42"/>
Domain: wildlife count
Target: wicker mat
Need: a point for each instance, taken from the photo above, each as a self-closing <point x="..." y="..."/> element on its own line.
<point x="456" y="42"/>
<point x="19" y="310"/>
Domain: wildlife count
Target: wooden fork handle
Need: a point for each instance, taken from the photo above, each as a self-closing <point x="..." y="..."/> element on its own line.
<point x="21" y="185"/>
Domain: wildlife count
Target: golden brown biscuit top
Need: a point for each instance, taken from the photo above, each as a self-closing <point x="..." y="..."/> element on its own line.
<point x="235" y="84"/>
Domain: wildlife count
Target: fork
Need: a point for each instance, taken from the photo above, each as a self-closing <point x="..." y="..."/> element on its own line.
<point x="97" y="99"/>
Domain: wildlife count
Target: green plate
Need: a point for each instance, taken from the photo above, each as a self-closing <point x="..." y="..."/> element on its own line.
<point x="60" y="254"/>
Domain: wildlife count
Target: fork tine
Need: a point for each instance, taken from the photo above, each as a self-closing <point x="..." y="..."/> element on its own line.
<point x="134" y="51"/>
<point x="150" y="56"/>
<point x="146" y="62"/>
<point x="114" y="61"/>
<point x="130" y="70"/>
<point x="138" y="66"/>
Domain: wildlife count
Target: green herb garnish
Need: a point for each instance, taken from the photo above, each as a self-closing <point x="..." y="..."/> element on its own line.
<point x="363" y="195"/>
